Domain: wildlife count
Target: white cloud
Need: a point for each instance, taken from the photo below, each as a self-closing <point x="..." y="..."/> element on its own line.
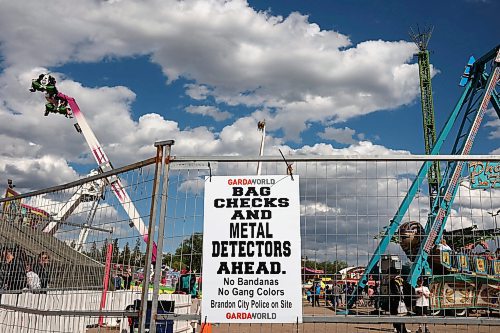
<point x="31" y="135"/>
<point x="194" y="185"/>
<point x="233" y="53"/>
<point x="340" y="135"/>
<point x="210" y="111"/>
<point x="197" y="91"/>
<point x="29" y="173"/>
<point x="494" y="123"/>
<point x="288" y="69"/>
<point x="230" y="51"/>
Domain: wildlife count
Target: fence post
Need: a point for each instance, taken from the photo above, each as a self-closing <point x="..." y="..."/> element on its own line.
<point x="150" y="243"/>
<point x="105" y="282"/>
<point x="161" y="231"/>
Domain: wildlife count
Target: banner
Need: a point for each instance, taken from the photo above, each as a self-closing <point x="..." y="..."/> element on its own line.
<point x="11" y="209"/>
<point x="481" y="266"/>
<point x="459" y="291"/>
<point x="496" y="268"/>
<point x="446" y="258"/>
<point x="463" y="263"/>
<point x="15" y="212"/>
<point x="251" y="250"/>
<point x="484" y="175"/>
<point x="488" y="294"/>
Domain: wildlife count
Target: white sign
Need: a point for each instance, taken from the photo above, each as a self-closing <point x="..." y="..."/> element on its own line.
<point x="251" y="250"/>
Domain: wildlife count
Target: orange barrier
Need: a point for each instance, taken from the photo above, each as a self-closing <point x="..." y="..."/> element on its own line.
<point x="206" y="328"/>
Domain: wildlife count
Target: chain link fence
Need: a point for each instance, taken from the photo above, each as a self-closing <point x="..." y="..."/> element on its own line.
<point x="93" y="266"/>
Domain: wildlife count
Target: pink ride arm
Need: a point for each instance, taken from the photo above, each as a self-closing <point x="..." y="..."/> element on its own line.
<point x="105" y="165"/>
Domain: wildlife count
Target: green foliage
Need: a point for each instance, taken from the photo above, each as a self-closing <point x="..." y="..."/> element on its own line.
<point x="104" y="250"/>
<point x="394" y="239"/>
<point x="116" y="251"/>
<point x="125" y="254"/>
<point x="94" y="252"/>
<point x="188" y="254"/>
<point x="329" y="267"/>
<point x="137" y="257"/>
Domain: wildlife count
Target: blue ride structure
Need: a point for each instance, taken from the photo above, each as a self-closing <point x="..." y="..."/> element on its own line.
<point x="480" y="81"/>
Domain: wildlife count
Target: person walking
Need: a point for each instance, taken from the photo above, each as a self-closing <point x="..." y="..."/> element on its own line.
<point x="309" y="294"/>
<point x="345" y="293"/>
<point x="328" y="295"/>
<point x="116" y="278"/>
<point x="317" y="292"/>
<point x="422" y="303"/>
<point x="337" y="292"/>
<point x="376" y="296"/>
<point x="397" y="305"/>
<point x="370" y="294"/>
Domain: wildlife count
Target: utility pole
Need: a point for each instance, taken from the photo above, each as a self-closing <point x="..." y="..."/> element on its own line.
<point x="421" y="39"/>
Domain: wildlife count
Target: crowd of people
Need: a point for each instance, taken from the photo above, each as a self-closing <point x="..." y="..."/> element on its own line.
<point x="122" y="277"/>
<point x="20" y="272"/>
<point x="336" y="295"/>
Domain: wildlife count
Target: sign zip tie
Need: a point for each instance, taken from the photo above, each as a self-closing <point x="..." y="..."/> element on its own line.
<point x="210" y="176"/>
<point x="289" y="168"/>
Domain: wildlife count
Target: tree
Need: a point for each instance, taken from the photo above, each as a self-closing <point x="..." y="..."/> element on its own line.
<point x="136" y="255"/>
<point x="329" y="267"/>
<point x="94" y="253"/>
<point x="116" y="251"/>
<point x="168" y="259"/>
<point x="332" y="267"/>
<point x="188" y="254"/>
<point x="104" y="250"/>
<point x="125" y="255"/>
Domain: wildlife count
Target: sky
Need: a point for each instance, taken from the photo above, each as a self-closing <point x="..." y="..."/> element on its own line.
<point x="203" y="73"/>
<point x="329" y="77"/>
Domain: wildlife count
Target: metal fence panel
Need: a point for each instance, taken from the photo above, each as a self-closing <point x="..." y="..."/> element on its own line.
<point x="346" y="206"/>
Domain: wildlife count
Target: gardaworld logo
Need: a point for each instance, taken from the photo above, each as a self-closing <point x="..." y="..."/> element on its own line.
<point x="250" y="315"/>
<point x="250" y="181"/>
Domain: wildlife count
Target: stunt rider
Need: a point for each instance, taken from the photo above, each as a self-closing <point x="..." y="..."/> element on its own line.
<point x="47" y="83"/>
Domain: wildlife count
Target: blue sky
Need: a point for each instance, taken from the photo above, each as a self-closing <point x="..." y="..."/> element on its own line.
<point x="455" y="38"/>
<point x="329" y="77"/>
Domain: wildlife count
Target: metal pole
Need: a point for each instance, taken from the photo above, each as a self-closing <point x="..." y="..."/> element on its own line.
<point x="494" y="215"/>
<point x="494" y="218"/>
<point x="149" y="246"/>
<point x="261" y="127"/>
<point x="105" y="282"/>
<point x="161" y="231"/>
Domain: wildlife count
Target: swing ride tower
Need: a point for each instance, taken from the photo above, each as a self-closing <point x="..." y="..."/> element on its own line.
<point x="421" y="39"/>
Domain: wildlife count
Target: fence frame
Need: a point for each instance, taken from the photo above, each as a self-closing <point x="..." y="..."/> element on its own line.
<point x="349" y="158"/>
<point x="164" y="161"/>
